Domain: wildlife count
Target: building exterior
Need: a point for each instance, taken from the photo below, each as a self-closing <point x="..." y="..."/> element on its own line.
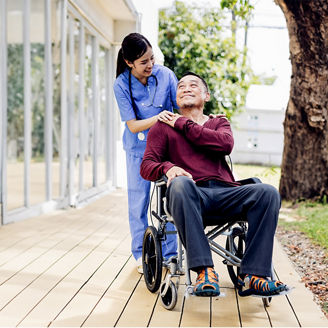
<point x="258" y="131"/>
<point x="59" y="122"/>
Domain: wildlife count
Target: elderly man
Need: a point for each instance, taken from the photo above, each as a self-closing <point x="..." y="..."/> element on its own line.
<point x="190" y="150"/>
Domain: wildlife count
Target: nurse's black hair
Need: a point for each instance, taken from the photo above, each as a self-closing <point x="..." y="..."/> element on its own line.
<point x="134" y="46"/>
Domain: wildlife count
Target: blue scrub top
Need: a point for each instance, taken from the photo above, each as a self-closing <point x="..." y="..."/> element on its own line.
<point x="149" y="99"/>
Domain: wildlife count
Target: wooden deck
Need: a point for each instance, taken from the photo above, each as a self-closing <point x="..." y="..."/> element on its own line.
<point x="74" y="268"/>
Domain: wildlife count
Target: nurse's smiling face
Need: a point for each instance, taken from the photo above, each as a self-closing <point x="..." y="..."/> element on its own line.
<point x="142" y="67"/>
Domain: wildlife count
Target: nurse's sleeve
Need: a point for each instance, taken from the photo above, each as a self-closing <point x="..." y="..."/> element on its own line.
<point x="173" y="89"/>
<point x="124" y="103"/>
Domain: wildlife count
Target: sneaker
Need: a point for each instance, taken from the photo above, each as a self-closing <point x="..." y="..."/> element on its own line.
<point x="139" y="265"/>
<point x="207" y="283"/>
<point x="254" y="285"/>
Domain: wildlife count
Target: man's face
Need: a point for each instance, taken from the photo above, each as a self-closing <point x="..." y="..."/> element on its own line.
<point x="191" y="92"/>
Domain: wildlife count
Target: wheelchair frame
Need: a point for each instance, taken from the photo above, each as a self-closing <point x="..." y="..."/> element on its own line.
<point x="152" y="255"/>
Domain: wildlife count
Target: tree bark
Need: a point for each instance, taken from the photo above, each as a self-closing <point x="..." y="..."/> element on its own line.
<point x="304" y="170"/>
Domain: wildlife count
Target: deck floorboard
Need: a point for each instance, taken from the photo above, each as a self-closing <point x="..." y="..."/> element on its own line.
<point x="74" y="268"/>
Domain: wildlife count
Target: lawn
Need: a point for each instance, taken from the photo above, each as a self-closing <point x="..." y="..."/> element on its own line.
<point x="308" y="217"/>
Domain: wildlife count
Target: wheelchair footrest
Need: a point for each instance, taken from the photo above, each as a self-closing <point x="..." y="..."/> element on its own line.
<point x="190" y="292"/>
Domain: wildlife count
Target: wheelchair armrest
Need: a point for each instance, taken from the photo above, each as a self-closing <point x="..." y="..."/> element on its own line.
<point x="249" y="181"/>
<point x="162" y="181"/>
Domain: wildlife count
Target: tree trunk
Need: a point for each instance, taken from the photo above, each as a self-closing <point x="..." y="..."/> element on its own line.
<point x="304" y="171"/>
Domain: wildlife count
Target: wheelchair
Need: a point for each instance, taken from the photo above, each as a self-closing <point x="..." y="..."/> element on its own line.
<point x="153" y="263"/>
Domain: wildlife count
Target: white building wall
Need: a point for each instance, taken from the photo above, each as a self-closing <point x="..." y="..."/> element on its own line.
<point x="258" y="132"/>
<point x="148" y="10"/>
<point x="259" y="137"/>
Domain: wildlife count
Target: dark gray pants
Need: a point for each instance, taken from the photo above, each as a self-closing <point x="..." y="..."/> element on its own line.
<point x="258" y="203"/>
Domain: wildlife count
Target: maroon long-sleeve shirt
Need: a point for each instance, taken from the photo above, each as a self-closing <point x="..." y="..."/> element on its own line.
<point x="198" y="149"/>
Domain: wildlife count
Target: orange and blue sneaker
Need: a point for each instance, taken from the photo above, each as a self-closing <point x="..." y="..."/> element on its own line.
<point x="254" y="285"/>
<point x="207" y="283"/>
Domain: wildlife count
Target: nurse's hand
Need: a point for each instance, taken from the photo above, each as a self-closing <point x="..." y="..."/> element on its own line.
<point x="172" y="120"/>
<point x="176" y="171"/>
<point x="218" y="116"/>
<point x="165" y="115"/>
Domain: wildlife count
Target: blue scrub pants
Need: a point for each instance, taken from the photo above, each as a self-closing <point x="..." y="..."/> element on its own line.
<point x="259" y="203"/>
<point x="138" y="201"/>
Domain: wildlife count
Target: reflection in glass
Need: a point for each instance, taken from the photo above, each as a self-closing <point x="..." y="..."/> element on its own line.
<point x="102" y="115"/>
<point x="37" y="28"/>
<point x="55" y="41"/>
<point x="15" y="130"/>
<point x="73" y="104"/>
<point x="89" y="115"/>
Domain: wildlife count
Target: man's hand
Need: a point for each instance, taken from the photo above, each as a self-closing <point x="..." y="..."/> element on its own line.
<point x="176" y="171"/>
<point x="169" y="118"/>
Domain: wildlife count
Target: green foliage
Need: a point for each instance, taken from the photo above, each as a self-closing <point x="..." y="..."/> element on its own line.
<point x="313" y="222"/>
<point x="16" y="97"/>
<point x="15" y="93"/>
<point x="194" y="39"/>
<point x="240" y="8"/>
<point x="263" y="79"/>
<point x="270" y="175"/>
<point x="309" y="217"/>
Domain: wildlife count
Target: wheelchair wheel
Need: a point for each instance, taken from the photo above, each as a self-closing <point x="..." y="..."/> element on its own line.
<point x="235" y="244"/>
<point x="152" y="259"/>
<point x="170" y="296"/>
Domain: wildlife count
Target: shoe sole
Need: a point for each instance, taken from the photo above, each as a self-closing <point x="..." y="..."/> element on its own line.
<point x="207" y="293"/>
<point x="283" y="290"/>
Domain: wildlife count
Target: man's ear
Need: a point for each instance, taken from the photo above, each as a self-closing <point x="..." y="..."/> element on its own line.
<point x="207" y="96"/>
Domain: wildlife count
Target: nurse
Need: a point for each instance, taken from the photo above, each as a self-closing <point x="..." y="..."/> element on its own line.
<point x="145" y="93"/>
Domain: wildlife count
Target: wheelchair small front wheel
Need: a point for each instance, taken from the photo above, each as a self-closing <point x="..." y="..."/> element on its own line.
<point x="152" y="259"/>
<point x="170" y="296"/>
<point x="235" y="244"/>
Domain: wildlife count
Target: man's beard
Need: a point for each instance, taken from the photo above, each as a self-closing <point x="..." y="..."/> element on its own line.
<point x="188" y="105"/>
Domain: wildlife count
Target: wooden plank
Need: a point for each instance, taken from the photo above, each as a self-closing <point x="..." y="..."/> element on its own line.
<point x="59" y="306"/>
<point x="28" y="297"/>
<point x="225" y="309"/>
<point x="165" y="318"/>
<point x="281" y="313"/>
<point x="18" y="263"/>
<point x="25" y="258"/>
<point x="220" y="268"/>
<point x="252" y="312"/>
<point x="13" y="236"/>
<point x="196" y="310"/>
<point x="72" y="282"/>
<point x="24" y="278"/>
<point x="139" y="308"/>
<point x="301" y="299"/>
<point x="79" y="308"/>
<point x="110" y="306"/>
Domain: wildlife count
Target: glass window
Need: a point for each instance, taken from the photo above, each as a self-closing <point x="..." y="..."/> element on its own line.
<point x="37" y="36"/>
<point x="102" y="116"/>
<point x="15" y="89"/>
<point x="55" y="43"/>
<point x="89" y="115"/>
